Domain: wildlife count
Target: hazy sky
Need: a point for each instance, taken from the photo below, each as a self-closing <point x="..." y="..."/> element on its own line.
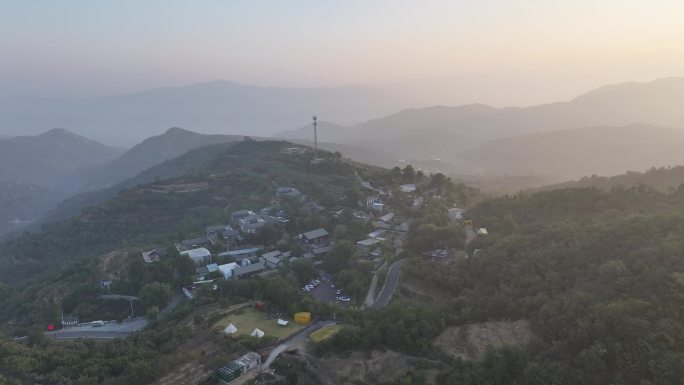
<point x="495" y="51"/>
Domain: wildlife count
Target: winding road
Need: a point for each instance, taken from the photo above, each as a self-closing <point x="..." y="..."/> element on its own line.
<point x="391" y="283"/>
<point x="295" y="340"/>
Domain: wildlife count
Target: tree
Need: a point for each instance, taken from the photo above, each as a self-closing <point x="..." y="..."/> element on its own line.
<point x="303" y="270"/>
<point x="395" y="174"/>
<point x="338" y="257"/>
<point x="37" y="338"/>
<point x="409" y="174"/>
<point x="155" y="294"/>
<point x="508" y="224"/>
<point x="153" y="312"/>
<point x="438" y="180"/>
<point x="136" y="269"/>
<point x="184" y="268"/>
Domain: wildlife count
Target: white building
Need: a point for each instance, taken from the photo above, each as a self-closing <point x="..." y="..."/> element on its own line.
<point x="407" y="188"/>
<point x="227" y="270"/>
<point x="200" y="256"/>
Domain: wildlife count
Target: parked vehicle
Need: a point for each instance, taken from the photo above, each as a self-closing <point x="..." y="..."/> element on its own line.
<point x="97" y="324"/>
<point x="343" y="299"/>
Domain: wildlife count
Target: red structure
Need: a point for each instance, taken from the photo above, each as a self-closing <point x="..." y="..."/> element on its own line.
<point x="260" y="305"/>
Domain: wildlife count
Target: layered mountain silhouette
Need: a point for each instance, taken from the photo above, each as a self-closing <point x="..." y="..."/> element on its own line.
<point x="578" y="152"/>
<point x="44" y="159"/>
<point x="150" y="152"/>
<point x="213" y="107"/>
<point x="442" y="132"/>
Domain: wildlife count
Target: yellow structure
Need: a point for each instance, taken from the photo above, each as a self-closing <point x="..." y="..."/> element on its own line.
<point x="324" y="333"/>
<point x="302" y="318"/>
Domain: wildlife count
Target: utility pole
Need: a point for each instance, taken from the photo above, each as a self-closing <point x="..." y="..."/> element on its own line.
<point x="315" y="124"/>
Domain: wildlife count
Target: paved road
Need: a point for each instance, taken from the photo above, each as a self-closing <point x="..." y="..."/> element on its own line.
<point x="108" y="331"/>
<point x="92" y="334"/>
<point x="324" y="293"/>
<point x="118" y="296"/>
<point x="390" y="286"/>
<point x="295" y="340"/>
<point x="172" y="304"/>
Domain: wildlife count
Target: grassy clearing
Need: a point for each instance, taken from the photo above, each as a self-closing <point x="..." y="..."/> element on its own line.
<point x="324" y="333"/>
<point x="245" y="320"/>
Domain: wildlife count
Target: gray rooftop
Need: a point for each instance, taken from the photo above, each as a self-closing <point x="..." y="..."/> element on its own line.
<point x="196" y="241"/>
<point x="272" y="254"/>
<point x="313" y="234"/>
<point x="254" y="267"/>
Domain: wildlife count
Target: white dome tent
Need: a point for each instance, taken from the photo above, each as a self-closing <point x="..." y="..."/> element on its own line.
<point x="230" y="329"/>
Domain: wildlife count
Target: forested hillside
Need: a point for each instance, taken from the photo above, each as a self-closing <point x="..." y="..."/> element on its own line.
<point x="23" y="202"/>
<point x="663" y="179"/>
<point x="220" y="178"/>
<point x="150" y="152"/>
<point x="598" y="274"/>
<point x="48" y="157"/>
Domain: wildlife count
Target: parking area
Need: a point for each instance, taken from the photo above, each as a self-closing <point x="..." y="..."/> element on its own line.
<point x="110" y="329"/>
<point x="324" y="293"/>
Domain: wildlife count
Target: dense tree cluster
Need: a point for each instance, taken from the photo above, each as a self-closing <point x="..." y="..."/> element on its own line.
<point x="131" y="361"/>
<point x="597" y="273"/>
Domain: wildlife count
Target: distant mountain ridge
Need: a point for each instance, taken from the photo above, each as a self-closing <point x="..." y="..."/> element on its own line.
<point x="34" y="172"/>
<point x="150" y="152"/>
<point x="468" y="126"/>
<point x="664" y="179"/>
<point x="45" y="158"/>
<point x="211" y="107"/>
<point x="573" y="153"/>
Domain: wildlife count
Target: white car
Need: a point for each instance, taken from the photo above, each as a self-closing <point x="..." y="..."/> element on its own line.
<point x="96" y="324"/>
<point x="343" y="299"/>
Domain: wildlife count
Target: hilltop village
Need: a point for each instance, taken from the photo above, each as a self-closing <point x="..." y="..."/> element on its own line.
<point x="277" y="274"/>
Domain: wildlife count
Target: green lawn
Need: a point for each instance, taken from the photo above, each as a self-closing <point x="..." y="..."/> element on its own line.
<point x="251" y="318"/>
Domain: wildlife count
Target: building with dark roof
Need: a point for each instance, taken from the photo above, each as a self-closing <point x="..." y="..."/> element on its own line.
<point x="249" y="270"/>
<point x="316" y="236"/>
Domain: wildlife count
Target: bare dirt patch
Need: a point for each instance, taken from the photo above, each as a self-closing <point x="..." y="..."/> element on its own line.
<point x="471" y="341"/>
<point x="201" y="353"/>
<point x="365" y="368"/>
<point x="112" y="262"/>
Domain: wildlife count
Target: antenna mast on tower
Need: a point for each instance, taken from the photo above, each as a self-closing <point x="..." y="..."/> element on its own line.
<point x="315" y="124"/>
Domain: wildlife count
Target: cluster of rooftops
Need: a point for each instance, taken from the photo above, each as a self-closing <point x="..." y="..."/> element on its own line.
<point x="244" y="260"/>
